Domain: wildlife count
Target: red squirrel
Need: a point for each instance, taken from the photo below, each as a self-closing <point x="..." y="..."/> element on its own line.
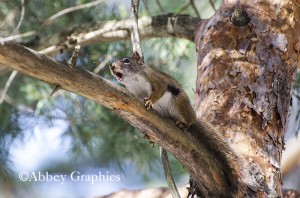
<point x="162" y="93"/>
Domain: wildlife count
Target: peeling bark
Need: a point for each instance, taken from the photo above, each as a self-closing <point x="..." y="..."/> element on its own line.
<point x="244" y="81"/>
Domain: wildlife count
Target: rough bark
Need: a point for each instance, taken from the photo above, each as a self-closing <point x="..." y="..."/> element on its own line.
<point x="244" y="81"/>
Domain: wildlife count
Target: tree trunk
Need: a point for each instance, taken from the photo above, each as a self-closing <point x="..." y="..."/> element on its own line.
<point x="243" y="88"/>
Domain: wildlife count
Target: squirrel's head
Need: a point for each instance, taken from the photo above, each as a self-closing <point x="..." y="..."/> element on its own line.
<point x="126" y="68"/>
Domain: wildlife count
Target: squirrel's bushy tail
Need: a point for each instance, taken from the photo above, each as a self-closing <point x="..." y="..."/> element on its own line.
<point x="228" y="159"/>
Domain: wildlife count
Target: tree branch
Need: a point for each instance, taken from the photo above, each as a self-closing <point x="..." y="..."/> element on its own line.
<point x="169" y="25"/>
<point x="168" y="173"/>
<point x="7" y="85"/>
<point x="134" y="30"/>
<point x="189" y="147"/>
<point x="194" y="8"/>
<point x="21" y="17"/>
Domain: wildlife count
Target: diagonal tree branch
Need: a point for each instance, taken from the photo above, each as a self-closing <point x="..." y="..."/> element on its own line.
<point x="190" y="147"/>
<point x="7" y="85"/>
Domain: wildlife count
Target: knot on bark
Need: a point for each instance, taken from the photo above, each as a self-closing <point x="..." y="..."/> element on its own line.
<point x="239" y="17"/>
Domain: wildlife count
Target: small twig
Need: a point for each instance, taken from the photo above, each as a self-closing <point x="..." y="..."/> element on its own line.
<point x="8" y="99"/>
<point x="55" y="89"/>
<point x="72" y="61"/>
<point x="192" y="187"/>
<point x="7" y="85"/>
<point x="160" y="6"/>
<point x="103" y="63"/>
<point x="135" y="37"/>
<point x="168" y="173"/>
<point x="184" y="7"/>
<point x="71" y="9"/>
<point x="18" y="36"/>
<point x="146" y="7"/>
<point x="194" y="7"/>
<point x="22" y="16"/>
<point x="212" y="3"/>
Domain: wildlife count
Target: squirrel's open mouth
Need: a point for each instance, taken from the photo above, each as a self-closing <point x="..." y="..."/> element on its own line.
<point x="119" y="76"/>
<point x="116" y="73"/>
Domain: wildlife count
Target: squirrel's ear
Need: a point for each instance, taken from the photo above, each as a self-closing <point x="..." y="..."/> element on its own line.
<point x="136" y="56"/>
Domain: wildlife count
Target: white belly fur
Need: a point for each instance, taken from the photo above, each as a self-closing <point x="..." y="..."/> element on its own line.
<point x="141" y="88"/>
<point x="164" y="106"/>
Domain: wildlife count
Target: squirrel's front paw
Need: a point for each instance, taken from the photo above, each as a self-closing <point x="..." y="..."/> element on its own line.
<point x="180" y="124"/>
<point x="148" y="103"/>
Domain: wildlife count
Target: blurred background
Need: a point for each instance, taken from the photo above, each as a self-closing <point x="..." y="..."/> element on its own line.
<point x="66" y="132"/>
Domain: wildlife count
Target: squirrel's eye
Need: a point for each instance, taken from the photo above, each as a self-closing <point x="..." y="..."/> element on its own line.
<point x="125" y="60"/>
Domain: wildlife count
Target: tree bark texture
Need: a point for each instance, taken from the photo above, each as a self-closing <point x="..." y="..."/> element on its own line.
<point x="243" y="88"/>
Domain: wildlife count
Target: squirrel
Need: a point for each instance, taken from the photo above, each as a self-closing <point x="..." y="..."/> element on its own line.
<point x="162" y="93"/>
<point x="159" y="90"/>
